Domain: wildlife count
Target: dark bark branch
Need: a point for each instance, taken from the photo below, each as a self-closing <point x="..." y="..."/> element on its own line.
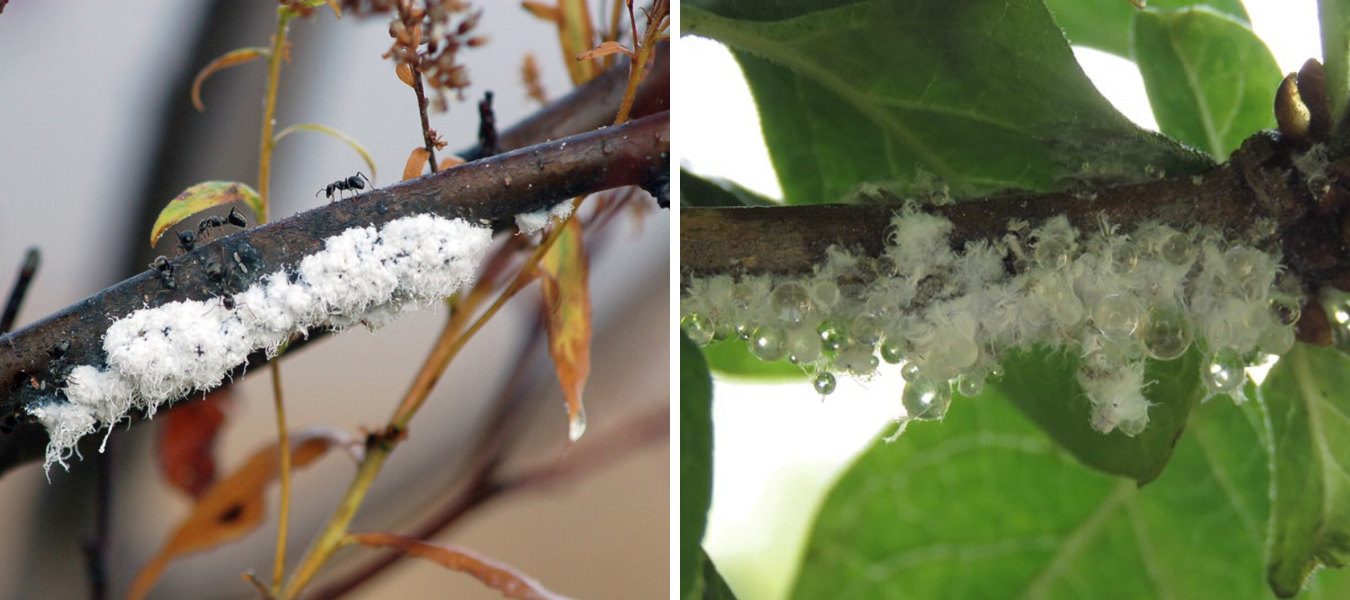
<point x="524" y="180"/>
<point x="1256" y="189"/>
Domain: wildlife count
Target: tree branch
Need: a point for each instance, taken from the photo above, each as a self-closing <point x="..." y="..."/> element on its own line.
<point x="34" y="359"/>
<point x="1257" y="194"/>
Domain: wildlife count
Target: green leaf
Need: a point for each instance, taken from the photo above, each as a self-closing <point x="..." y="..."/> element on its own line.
<point x="1308" y="394"/>
<point x="350" y="141"/>
<point x="1335" y="18"/>
<point x="733" y="358"/>
<point x="201" y="197"/>
<point x="716" y="192"/>
<point x="1210" y="80"/>
<point x="1105" y="24"/>
<point x="696" y="445"/>
<point x="984" y="505"/>
<point x="710" y="585"/>
<point x="983" y="94"/>
<point x="1044" y="386"/>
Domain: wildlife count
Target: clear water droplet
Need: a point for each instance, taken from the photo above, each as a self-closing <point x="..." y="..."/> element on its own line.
<point x="576" y="425"/>
<point x="910" y="371"/>
<point x="697" y="327"/>
<point x="1225" y="371"/>
<point x="743" y="332"/>
<point x="971" y="385"/>
<point x="790" y="302"/>
<point x="830" y="336"/>
<point x="1125" y="258"/>
<point x="1178" y="250"/>
<point x="827" y="293"/>
<point x="892" y="352"/>
<point x="1052" y="253"/>
<point x="1166" y="332"/>
<point x="1285" y="309"/>
<point x="824" y="383"/>
<point x="1276" y="340"/>
<point x="866" y="329"/>
<point x="1117" y="316"/>
<point x="803" y="345"/>
<point x="767" y="343"/>
<point x="926" y="400"/>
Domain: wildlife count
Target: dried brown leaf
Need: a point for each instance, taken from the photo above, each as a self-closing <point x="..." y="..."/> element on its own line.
<point x="416" y="162"/>
<point x="230" y="59"/>
<point x="187" y="442"/>
<point x="604" y="49"/>
<point x="565" y="272"/>
<point x="498" y="576"/>
<point x="235" y="506"/>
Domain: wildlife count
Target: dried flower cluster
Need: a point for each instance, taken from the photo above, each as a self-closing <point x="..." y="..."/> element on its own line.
<point x="428" y="36"/>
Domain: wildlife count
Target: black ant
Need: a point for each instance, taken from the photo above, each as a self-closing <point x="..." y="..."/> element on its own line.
<point x="235" y="218"/>
<point x="187" y="241"/>
<point x="352" y="183"/>
<point x="165" y="269"/>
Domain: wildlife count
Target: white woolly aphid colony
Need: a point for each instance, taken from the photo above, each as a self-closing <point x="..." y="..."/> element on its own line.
<point x="1112" y="298"/>
<point x="365" y="275"/>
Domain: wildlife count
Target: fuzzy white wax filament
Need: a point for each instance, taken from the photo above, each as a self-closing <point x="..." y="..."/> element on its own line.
<point x="363" y="275"/>
<point x="1111" y="298"/>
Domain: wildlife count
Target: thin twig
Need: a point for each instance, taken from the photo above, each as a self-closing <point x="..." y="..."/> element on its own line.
<point x="31" y="261"/>
<point x="279" y="568"/>
<point x="96" y="547"/>
<point x="428" y="136"/>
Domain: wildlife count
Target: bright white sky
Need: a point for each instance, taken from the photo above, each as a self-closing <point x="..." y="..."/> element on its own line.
<point x="779" y="446"/>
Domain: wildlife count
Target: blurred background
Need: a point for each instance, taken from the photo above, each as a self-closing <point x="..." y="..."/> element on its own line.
<point x="97" y="132"/>
<point x="779" y="446"/>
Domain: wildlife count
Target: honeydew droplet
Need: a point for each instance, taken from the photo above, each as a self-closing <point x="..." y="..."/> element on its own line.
<point x="576" y="425"/>
<point x="1125" y="258"/>
<point x="767" y="343"/>
<point x="1117" y="316"/>
<point x="866" y="329"/>
<point x="803" y="345"/>
<point x="824" y="383"/>
<point x="827" y="292"/>
<point x="699" y="330"/>
<point x="830" y="336"/>
<point x="1052" y="253"/>
<point x="926" y="400"/>
<point x="1178" y="249"/>
<point x="910" y="372"/>
<point x="971" y="385"/>
<point x="885" y="267"/>
<point x="892" y="352"/>
<point x="1225" y="371"/>
<point x="790" y="302"/>
<point x="949" y="359"/>
<point x="1276" y="340"/>
<point x="1285" y="309"/>
<point x="1166" y="332"/>
<point x="743" y="332"/>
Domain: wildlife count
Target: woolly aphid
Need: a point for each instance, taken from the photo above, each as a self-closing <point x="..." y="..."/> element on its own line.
<point x="1110" y="298"/>
<point x="365" y="275"/>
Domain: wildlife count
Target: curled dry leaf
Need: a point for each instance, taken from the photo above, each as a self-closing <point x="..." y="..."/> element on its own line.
<point x="229" y="59"/>
<point x="567" y="314"/>
<point x="187" y="442"/>
<point x="451" y="161"/>
<point x="604" y="49"/>
<point x="405" y="75"/>
<point x="235" y="506"/>
<point x="201" y="197"/>
<point x="498" y="576"/>
<point x="357" y="146"/>
<point x="416" y="162"/>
